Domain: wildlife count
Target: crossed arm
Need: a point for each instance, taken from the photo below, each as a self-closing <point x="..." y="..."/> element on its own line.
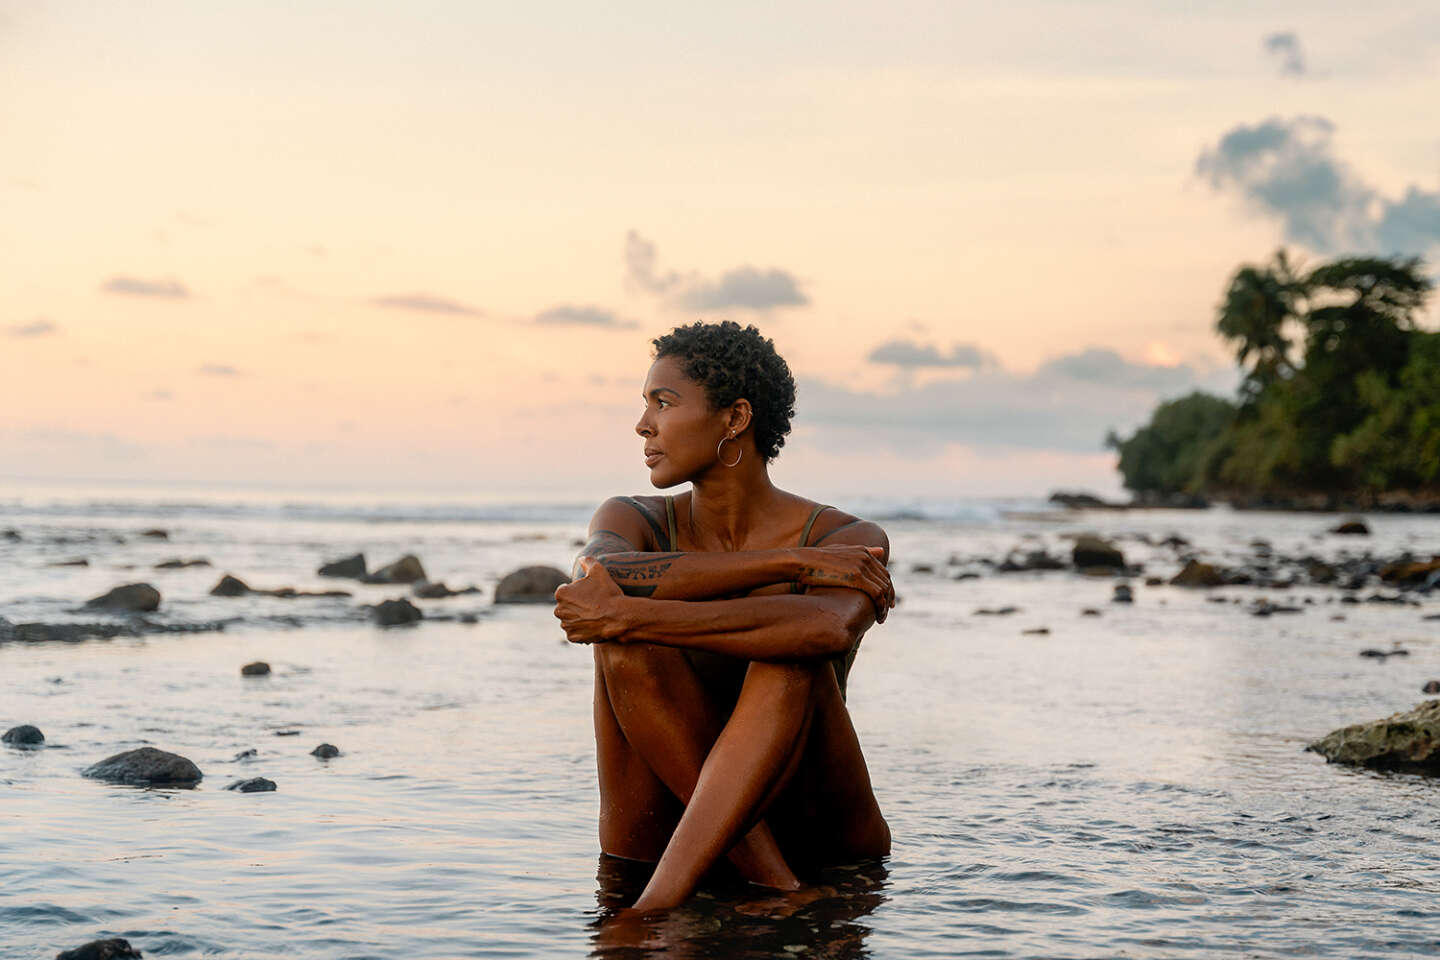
<point x="628" y="595"/>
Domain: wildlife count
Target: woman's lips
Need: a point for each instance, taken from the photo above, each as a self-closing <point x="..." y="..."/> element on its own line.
<point x="652" y="458"/>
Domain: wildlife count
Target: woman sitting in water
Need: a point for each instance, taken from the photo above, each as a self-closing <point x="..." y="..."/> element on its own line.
<point x="724" y="621"/>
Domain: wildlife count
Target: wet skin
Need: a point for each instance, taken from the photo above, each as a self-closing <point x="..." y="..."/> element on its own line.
<point x="758" y="763"/>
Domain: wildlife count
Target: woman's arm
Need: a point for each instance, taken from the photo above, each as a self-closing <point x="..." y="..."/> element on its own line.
<point x="821" y="623"/>
<point x="618" y="532"/>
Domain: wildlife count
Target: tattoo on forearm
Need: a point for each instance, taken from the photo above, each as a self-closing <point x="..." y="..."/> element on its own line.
<point x="638" y="577"/>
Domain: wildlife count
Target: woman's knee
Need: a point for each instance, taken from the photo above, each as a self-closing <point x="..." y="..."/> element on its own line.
<point x="636" y="663"/>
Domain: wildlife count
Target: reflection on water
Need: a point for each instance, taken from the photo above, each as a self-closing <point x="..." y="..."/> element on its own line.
<point x="732" y="918"/>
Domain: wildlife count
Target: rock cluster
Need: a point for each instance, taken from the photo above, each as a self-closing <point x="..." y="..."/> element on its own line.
<point x="1407" y="741"/>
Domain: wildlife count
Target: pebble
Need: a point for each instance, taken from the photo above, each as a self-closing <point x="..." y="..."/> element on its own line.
<point x="325" y="751"/>
<point x="257" y="669"/>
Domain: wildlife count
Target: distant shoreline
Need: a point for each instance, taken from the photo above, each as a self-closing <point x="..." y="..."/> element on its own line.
<point x="1396" y="502"/>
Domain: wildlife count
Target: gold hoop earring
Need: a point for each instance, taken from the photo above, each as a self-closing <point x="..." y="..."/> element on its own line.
<point x="720" y="445"/>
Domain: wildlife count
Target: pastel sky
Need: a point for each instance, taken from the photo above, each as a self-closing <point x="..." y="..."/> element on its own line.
<point x="425" y="245"/>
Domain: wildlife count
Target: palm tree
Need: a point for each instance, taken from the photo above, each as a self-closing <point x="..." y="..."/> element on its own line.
<point x="1259" y="303"/>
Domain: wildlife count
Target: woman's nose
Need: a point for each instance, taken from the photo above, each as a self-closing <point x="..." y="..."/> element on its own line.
<point x="642" y="426"/>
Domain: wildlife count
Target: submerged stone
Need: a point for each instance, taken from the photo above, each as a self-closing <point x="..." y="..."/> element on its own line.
<point x="530" y="585"/>
<point x="253" y="785"/>
<point x="23" y="736"/>
<point x="257" y="669"/>
<point x="352" y="567"/>
<point x="115" y="948"/>
<point x="325" y="751"/>
<point x="392" y="613"/>
<point x="138" y="597"/>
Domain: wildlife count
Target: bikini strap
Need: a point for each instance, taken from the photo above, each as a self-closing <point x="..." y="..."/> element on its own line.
<point x="805" y="537"/>
<point x="670" y="516"/>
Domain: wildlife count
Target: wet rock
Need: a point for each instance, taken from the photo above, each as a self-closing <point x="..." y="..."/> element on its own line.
<point x="61" y="632"/>
<point x="1093" y="552"/>
<point x="77" y="562"/>
<point x="253" y="785"/>
<point x="438" y="591"/>
<point x="995" y="612"/>
<point x="1123" y="594"/>
<point x="1154" y="581"/>
<point x="146" y="766"/>
<point x="12" y="535"/>
<point x="156" y="534"/>
<point x="1431" y="616"/>
<point x="1175" y="542"/>
<point x="1036" y="632"/>
<point x="405" y="570"/>
<point x="135" y="597"/>
<point x="469" y="618"/>
<point x="1089" y="612"/>
<point x="530" y="585"/>
<point x="352" y="567"/>
<point x="115" y="948"/>
<point x="1409" y="740"/>
<point x="23" y="736"/>
<point x="178" y="564"/>
<point x="257" y="669"/>
<point x="287" y="733"/>
<point x="248" y="754"/>
<point x="1418" y="571"/>
<point x="1033" y="560"/>
<point x="1374" y="654"/>
<point x="1083" y="501"/>
<point x="1353" y="528"/>
<point x="1321" y="572"/>
<point x="1264" y="608"/>
<point x="325" y="751"/>
<point x="1431" y="687"/>
<point x="1197" y="574"/>
<point x="922" y="568"/>
<point x="230" y="587"/>
<point x="392" y="613"/>
<point x="966" y="575"/>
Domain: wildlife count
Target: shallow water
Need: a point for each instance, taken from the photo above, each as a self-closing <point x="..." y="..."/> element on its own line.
<point x="1132" y="785"/>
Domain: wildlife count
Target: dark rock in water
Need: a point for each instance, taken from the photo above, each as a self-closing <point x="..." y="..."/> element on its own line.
<point x="156" y="534"/>
<point x="1036" y="632"/>
<point x="61" y="632"/>
<point x="1320" y="572"/>
<point x="325" y="751"/>
<point x="1154" y="581"/>
<point x="405" y="570"/>
<point x="1089" y="612"/>
<point x="178" y="564"/>
<point x="287" y="733"/>
<point x="77" y="562"/>
<point x="530" y="585"/>
<point x="138" y="597"/>
<point x="1432" y="687"/>
<point x="996" y="612"/>
<point x="1175" y="542"/>
<point x="1083" y="501"/>
<point x="1410" y="572"/>
<point x="230" y="587"/>
<point x="1123" y="594"/>
<point x="1197" y="574"/>
<point x="966" y="575"/>
<point x="253" y="785"/>
<point x="248" y="754"/>
<point x="1264" y="608"/>
<point x="352" y="568"/>
<point x="922" y="568"/>
<point x="394" y="612"/>
<point x="1408" y="741"/>
<point x="1033" y="560"/>
<point x="23" y="736"/>
<point x="438" y="591"/>
<point x="1384" y="654"/>
<point x="112" y="949"/>
<point x="469" y="618"/>
<point x="1352" y="528"/>
<point x="146" y="766"/>
<point x="12" y="535"/>
<point x="1431" y="616"/>
<point x="1093" y="552"/>
<point x="257" y="669"/>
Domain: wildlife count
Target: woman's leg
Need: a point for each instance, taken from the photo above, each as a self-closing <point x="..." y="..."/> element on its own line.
<point x="654" y="726"/>
<point x="755" y="752"/>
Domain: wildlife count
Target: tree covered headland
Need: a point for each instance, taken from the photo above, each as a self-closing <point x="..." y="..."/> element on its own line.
<point x="1340" y="401"/>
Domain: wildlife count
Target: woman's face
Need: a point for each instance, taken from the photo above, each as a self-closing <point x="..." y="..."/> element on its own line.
<point x="681" y="431"/>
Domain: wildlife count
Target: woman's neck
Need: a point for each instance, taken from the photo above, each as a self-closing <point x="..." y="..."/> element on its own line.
<point x="726" y="508"/>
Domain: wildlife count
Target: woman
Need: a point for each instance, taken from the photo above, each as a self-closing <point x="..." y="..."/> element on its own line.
<point x="724" y="621"/>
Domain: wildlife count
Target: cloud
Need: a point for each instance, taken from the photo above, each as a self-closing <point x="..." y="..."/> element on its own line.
<point x="425" y="303"/>
<point x="1068" y="404"/>
<point x="573" y="316"/>
<point x="744" y="287"/>
<point x="137" y="287"/>
<point x="219" y="370"/>
<point x="1284" y="48"/>
<point x="1286" y="168"/>
<point x="37" y="328"/>
<point x="907" y="353"/>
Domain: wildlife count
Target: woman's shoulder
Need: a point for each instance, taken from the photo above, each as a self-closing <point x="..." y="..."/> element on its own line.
<point x="835" y="525"/>
<point x="640" y="519"/>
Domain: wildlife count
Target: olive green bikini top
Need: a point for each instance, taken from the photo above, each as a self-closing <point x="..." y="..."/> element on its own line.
<point x="840" y="662"/>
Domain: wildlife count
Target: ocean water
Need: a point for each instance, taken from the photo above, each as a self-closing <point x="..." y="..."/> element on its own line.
<point x="1127" y="785"/>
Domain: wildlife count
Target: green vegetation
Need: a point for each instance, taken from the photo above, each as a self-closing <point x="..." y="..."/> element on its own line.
<point x="1340" y="396"/>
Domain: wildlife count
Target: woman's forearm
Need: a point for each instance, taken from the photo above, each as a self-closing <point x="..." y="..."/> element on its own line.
<point x="699" y="575"/>
<point x="753" y="628"/>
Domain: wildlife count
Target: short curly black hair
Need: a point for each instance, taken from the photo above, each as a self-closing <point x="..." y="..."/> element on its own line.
<point x="731" y="362"/>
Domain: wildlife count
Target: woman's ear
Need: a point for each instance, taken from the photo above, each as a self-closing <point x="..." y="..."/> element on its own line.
<point x="741" y="413"/>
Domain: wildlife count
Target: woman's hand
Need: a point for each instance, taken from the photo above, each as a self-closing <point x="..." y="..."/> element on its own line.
<point x="853" y="567"/>
<point x="589" y="608"/>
